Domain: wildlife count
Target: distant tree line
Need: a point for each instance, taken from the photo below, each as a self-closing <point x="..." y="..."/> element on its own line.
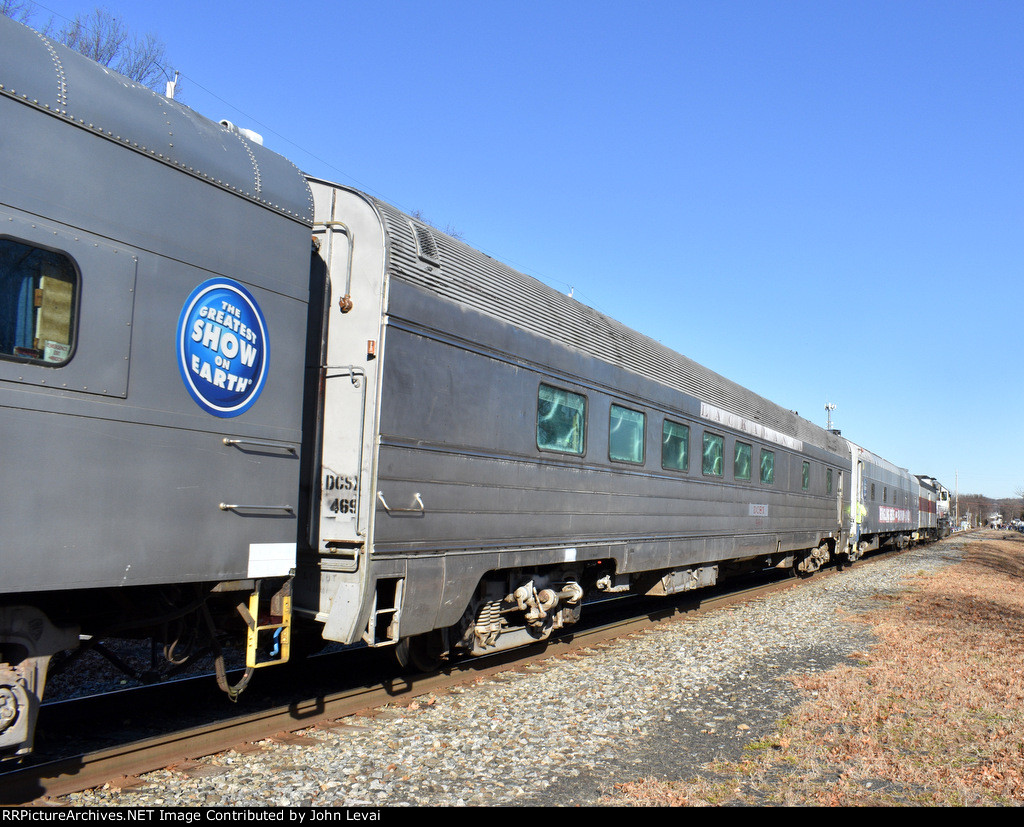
<point x="981" y="507"/>
<point x="103" y="37"/>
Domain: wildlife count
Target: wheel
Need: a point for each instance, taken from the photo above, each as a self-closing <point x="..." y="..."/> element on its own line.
<point x="423" y="653"/>
<point x="800" y="573"/>
<point x="808" y="562"/>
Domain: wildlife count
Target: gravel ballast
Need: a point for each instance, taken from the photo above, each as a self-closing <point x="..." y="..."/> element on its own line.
<point x="660" y="704"/>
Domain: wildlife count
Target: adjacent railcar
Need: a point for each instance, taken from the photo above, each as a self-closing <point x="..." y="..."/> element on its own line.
<point x="520" y="451"/>
<point x="153" y="308"/>
<point x="886" y="509"/>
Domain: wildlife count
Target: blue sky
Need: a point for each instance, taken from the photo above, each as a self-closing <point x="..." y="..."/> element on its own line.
<point x="823" y="201"/>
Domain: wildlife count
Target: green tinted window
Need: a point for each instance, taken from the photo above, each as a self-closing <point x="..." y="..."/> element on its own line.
<point x="561" y="420"/>
<point x="805" y="476"/>
<point x="828" y="480"/>
<point x="768" y="467"/>
<point x="675" y="446"/>
<point x="37" y="303"/>
<point x="713" y="451"/>
<point x="742" y="461"/>
<point x="626" y="435"/>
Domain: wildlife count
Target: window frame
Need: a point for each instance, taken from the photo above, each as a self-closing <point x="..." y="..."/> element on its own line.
<point x="736" y="458"/>
<point x="584" y="415"/>
<point x="706" y="436"/>
<point x="766" y="452"/>
<point x="643" y="434"/>
<point x="686" y="467"/>
<point x="70" y="273"/>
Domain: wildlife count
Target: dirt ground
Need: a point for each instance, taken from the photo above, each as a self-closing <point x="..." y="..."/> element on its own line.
<point x="933" y="715"/>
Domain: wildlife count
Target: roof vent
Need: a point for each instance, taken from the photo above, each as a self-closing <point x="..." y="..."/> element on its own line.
<point x="255" y="137"/>
<point x="425" y="245"/>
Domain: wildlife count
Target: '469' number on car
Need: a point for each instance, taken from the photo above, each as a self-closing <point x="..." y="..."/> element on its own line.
<point x="339" y="506"/>
<point x="334" y="485"/>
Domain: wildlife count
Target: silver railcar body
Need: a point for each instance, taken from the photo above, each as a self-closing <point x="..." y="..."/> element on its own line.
<point x="443" y="355"/>
<point x="886" y="509"/>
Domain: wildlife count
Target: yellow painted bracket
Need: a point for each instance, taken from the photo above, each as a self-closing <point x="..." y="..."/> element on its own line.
<point x="281" y="647"/>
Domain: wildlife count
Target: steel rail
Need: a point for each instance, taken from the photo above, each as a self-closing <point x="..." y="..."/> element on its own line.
<point x="60" y="777"/>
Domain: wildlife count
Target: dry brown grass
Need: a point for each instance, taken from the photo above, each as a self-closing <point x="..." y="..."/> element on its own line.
<point x="933" y="715"/>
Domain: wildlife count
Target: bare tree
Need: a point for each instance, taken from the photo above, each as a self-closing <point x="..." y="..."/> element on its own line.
<point x="100" y="37"/>
<point x="103" y="37"/>
<point x="16" y="10"/>
<point x="1010" y="508"/>
<point x="449" y="229"/>
<point x="1015" y="504"/>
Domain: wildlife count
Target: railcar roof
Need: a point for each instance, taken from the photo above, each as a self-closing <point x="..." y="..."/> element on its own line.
<point x="44" y="74"/>
<point x="881" y="462"/>
<point x="467" y="276"/>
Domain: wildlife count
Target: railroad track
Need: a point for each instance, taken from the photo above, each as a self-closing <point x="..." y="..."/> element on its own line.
<point x="281" y="715"/>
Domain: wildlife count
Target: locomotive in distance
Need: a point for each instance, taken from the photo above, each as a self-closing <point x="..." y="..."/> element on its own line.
<point x="242" y="403"/>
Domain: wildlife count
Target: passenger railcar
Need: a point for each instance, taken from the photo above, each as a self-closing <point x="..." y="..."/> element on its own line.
<point x="887" y="509"/>
<point x="142" y="469"/>
<point x="234" y="396"/>
<point x="516" y="442"/>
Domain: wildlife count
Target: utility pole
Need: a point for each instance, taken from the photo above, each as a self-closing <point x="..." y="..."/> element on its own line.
<point x="956" y="477"/>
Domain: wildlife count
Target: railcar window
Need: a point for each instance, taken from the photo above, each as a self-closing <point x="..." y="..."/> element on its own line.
<point x="828" y="480"/>
<point x="885" y="494"/>
<point x="742" y="461"/>
<point x="626" y="435"/>
<point x="675" y="446"/>
<point x="767" y="467"/>
<point x="38" y="294"/>
<point x="714" y="449"/>
<point x="561" y="420"/>
<point x="805" y="476"/>
<point x="872" y="492"/>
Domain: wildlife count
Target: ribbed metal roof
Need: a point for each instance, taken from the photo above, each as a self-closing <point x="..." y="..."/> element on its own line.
<point x="42" y="73"/>
<point x="471" y="278"/>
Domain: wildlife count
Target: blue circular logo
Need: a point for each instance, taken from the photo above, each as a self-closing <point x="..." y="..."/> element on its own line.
<point x="223" y="348"/>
